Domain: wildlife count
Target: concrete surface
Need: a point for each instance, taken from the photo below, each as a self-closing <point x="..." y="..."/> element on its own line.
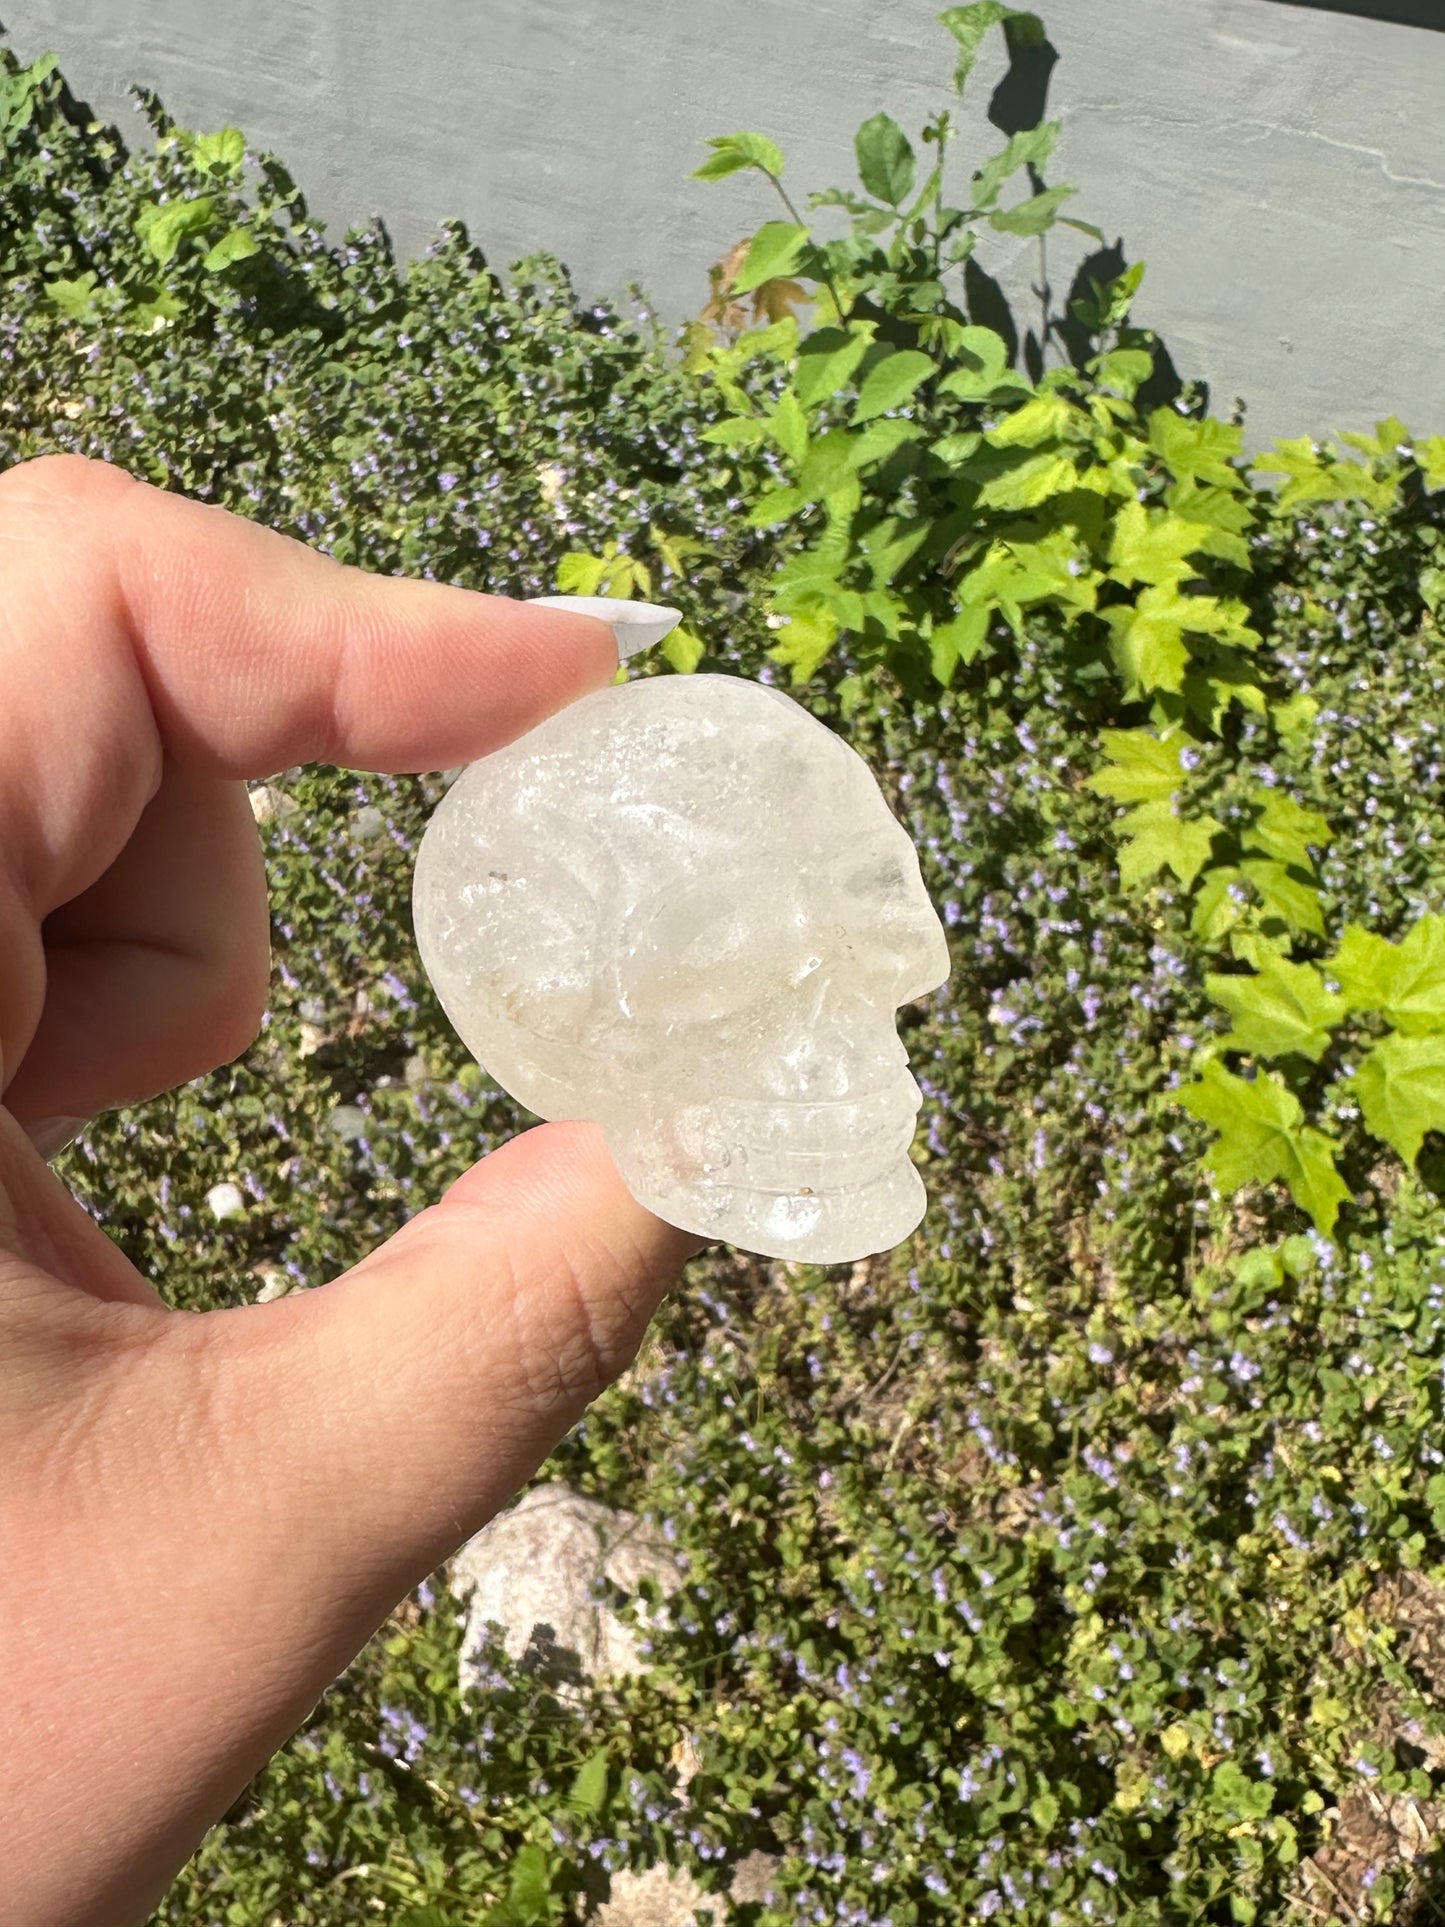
<point x="1280" y="168"/>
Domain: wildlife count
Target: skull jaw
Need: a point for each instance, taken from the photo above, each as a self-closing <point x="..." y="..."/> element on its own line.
<point x="824" y="1225"/>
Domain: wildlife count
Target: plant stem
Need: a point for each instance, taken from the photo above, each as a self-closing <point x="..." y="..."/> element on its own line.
<point x="827" y="278"/>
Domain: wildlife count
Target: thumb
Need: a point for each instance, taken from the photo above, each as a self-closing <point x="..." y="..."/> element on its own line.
<point x="266" y="1482"/>
<point x="413" y="1396"/>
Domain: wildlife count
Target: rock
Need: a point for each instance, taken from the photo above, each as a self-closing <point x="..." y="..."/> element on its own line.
<point x="267" y="801"/>
<point x="225" y="1201"/>
<point x="368" y="825"/>
<point x="670" y="1897"/>
<point x="274" y="1283"/>
<point x="661" y="1897"/>
<point x="532" y="1570"/>
<point x="349" y="1123"/>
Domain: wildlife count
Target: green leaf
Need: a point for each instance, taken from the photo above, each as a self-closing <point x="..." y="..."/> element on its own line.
<point x="1156" y="839"/>
<point x="1285" y="830"/>
<point x="1031" y="148"/>
<point x="732" y="152"/>
<point x="885" y="159"/>
<point x="827" y="361"/>
<point x="1023" y="485"/>
<point x="1034" y="216"/>
<point x="529" y="1892"/>
<point x="1150" y="545"/>
<point x="1430" y="454"/>
<point x="581" y="574"/>
<point x="1147" y="642"/>
<point x="589" y="1789"/>
<point x="775" y="251"/>
<point x="221" y="153"/>
<point x="890" y="544"/>
<point x="1044" y="1811"/>
<point x="891" y="381"/>
<point x="984" y="361"/>
<point x="882" y="439"/>
<point x="1292" y="900"/>
<point x="1006" y="579"/>
<point x="1198" y="451"/>
<point x="1123" y="369"/>
<point x="1318" y="475"/>
<point x="1263" y="1138"/>
<point x="683" y="650"/>
<point x="968" y="25"/>
<point x="788" y="426"/>
<point x="238" y="245"/>
<point x="1405" y="980"/>
<point x="73" y="298"/>
<point x="1224" y="515"/>
<point x="739" y="431"/>
<point x="804" y="642"/>
<point x="162" y="227"/>
<point x="1283" y="1008"/>
<point x="1216" y="911"/>
<point x="1237" y="1797"/>
<point x="1044" y="418"/>
<point x="958" y="640"/>
<point x="1141" y="769"/>
<point x="1401" y="1091"/>
<point x="778" y="505"/>
<point x="829" y="465"/>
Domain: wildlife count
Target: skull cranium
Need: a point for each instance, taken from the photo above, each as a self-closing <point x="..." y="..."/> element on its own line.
<point x="681" y="908"/>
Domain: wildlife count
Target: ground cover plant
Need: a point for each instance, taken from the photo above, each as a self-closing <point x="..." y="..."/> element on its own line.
<point x="1083" y="1559"/>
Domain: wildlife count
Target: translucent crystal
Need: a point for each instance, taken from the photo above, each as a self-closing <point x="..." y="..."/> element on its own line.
<point x="681" y="908"/>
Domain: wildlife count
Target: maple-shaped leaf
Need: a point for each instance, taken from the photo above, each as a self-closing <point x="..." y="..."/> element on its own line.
<point x="1216" y="908"/>
<point x="1141" y="767"/>
<point x="1043" y="420"/>
<point x="1405" y="980"/>
<point x="1401" y="1089"/>
<point x="1148" y="643"/>
<point x="1197" y="450"/>
<point x="1229" y="678"/>
<point x="1156" y="839"/>
<point x="1263" y="1138"/>
<point x="1282" y="1008"/>
<point x="1284" y="829"/>
<point x="1150" y="545"/>
<point x="1283" y="894"/>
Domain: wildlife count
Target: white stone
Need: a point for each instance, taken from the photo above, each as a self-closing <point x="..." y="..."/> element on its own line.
<point x="225" y="1201"/>
<point x="532" y="1571"/>
<point x="670" y="1897"/>
<point x="681" y="908"/>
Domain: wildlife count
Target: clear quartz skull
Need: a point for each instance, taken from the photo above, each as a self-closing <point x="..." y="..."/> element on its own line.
<point x="681" y="908"/>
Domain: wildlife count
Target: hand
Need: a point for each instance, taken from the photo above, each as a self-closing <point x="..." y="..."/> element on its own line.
<point x="204" y="1517"/>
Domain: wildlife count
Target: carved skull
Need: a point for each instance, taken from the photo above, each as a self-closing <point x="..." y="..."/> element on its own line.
<point x="682" y="909"/>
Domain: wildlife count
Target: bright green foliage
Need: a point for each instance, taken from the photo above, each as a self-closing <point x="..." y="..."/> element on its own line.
<point x="1405" y="982"/>
<point x="1263" y="1136"/>
<point x="1401" y="1088"/>
<point x="1280" y="1009"/>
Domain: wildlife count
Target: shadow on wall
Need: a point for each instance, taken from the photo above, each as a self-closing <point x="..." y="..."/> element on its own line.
<point x="1400" y="13"/>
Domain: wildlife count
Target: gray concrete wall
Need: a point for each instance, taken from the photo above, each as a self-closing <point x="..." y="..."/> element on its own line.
<point x="1281" y="170"/>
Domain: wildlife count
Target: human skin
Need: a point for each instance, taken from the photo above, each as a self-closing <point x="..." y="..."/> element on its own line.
<point x="203" y="1517"/>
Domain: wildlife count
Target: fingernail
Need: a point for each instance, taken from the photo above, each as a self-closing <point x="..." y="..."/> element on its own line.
<point x="50" y="1135"/>
<point x="635" y="625"/>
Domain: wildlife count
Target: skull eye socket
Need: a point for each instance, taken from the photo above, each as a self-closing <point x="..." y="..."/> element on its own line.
<point x="698" y="960"/>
